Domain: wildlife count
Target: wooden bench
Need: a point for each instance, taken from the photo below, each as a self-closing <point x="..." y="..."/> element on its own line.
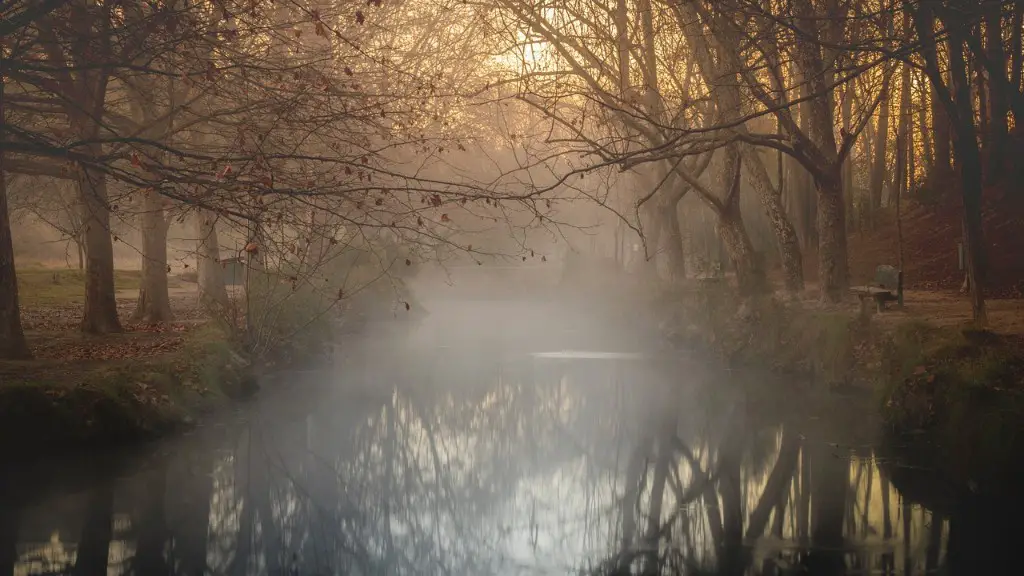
<point x="886" y="287"/>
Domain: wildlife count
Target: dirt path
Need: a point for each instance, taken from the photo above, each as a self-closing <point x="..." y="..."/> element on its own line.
<point x="949" y="309"/>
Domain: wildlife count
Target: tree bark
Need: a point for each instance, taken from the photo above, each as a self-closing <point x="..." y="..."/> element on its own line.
<point x="675" y="253"/>
<point x="212" y="291"/>
<point x="833" y="268"/>
<point x="969" y="165"/>
<point x="1016" y="48"/>
<point x="100" y="316"/>
<point x="847" y="112"/>
<point x="878" y="169"/>
<point x="926" y="142"/>
<point x="785" y="234"/>
<point x="801" y="186"/>
<point x="12" y="337"/>
<point x="941" y="137"/>
<point x="750" y="277"/>
<point x="904" y="152"/>
<point x="958" y="100"/>
<point x="154" y="305"/>
<point x="823" y="155"/>
<point x="998" y="99"/>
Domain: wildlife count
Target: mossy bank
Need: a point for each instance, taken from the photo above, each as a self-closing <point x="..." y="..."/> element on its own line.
<point x="49" y="406"/>
<point x="921" y="373"/>
<point x="959" y="389"/>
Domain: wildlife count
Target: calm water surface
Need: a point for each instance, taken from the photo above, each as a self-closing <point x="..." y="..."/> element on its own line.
<point x="505" y="438"/>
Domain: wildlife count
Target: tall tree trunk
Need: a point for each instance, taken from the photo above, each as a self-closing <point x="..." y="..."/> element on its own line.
<point x="9" y="522"/>
<point x="847" y="112"/>
<point x="832" y="257"/>
<point x="925" y="130"/>
<point x="878" y="169"/>
<point x="154" y="304"/>
<point x="803" y="187"/>
<point x="981" y="95"/>
<point x="212" y="290"/>
<point x="833" y="268"/>
<point x="100" y="315"/>
<point x="969" y="164"/>
<point x="750" y="277"/>
<point x="785" y="234"/>
<point x="676" y="255"/>
<point x="904" y="148"/>
<point x="1016" y="49"/>
<point x="998" y="99"/>
<point x="12" y="337"/>
<point x="942" y="138"/>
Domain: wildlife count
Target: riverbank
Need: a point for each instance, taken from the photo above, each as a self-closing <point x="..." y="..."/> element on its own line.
<point x="88" y="391"/>
<point x="116" y="388"/>
<point x="958" y="388"/>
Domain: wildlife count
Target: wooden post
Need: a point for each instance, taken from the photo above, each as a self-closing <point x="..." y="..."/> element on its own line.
<point x="899" y="288"/>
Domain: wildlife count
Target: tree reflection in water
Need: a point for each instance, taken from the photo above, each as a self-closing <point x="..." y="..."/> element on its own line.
<point x="482" y="467"/>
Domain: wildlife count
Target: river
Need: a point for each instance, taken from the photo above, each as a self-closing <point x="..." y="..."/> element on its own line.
<point x="507" y="437"/>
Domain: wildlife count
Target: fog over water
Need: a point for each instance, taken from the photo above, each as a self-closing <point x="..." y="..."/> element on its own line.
<point x="503" y="432"/>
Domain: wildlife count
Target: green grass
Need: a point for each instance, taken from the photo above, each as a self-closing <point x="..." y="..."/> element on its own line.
<point x="49" y="286"/>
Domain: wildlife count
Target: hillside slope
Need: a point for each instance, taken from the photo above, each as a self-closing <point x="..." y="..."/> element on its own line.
<point x="930" y="236"/>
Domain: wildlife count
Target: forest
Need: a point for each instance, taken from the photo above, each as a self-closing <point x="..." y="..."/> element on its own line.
<point x="306" y="131"/>
<point x="670" y="268"/>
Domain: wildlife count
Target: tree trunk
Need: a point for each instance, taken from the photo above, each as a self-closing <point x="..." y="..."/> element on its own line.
<point x="785" y="234"/>
<point x="801" y="184"/>
<point x="904" y="151"/>
<point x="926" y="143"/>
<point x="998" y="99"/>
<point x="12" y="337"/>
<point x="833" y="269"/>
<point x="1016" y="49"/>
<point x="212" y="291"/>
<point x="878" y="169"/>
<point x="847" y="112"/>
<point x="969" y="165"/>
<point x="675" y="254"/>
<point x="750" y="277"/>
<point x="154" y="304"/>
<point x="943" y="166"/>
<point x="9" y="524"/>
<point x="100" y="315"/>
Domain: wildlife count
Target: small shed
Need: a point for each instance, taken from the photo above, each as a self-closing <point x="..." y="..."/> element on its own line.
<point x="234" y="270"/>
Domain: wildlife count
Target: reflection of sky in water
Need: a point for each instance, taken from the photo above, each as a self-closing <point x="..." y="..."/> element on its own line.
<point x="527" y="478"/>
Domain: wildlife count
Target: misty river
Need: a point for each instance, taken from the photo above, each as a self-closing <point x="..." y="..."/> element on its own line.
<point x="506" y="437"/>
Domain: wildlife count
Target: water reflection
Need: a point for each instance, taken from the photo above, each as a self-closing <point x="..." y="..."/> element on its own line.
<point x="480" y="466"/>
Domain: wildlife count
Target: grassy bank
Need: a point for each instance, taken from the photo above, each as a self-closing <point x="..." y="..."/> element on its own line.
<point x="50" y="405"/>
<point x="922" y="373"/>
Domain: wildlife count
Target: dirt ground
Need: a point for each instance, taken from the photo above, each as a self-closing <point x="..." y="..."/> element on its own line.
<point x="53" y="334"/>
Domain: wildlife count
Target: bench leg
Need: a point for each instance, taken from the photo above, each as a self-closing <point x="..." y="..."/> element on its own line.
<point x="863" y="307"/>
<point x="880" y="305"/>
